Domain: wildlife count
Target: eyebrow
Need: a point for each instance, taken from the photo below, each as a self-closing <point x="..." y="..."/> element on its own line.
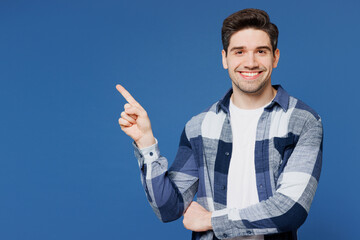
<point x="242" y="48"/>
<point x="264" y="47"/>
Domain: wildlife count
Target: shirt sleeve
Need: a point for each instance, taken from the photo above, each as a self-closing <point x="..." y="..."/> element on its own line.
<point x="169" y="192"/>
<point x="288" y="208"/>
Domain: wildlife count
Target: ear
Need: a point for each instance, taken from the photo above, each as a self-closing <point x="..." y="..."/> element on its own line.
<point x="276" y="58"/>
<point x="224" y="62"/>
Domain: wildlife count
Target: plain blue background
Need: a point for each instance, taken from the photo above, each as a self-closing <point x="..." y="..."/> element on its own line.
<point x="67" y="171"/>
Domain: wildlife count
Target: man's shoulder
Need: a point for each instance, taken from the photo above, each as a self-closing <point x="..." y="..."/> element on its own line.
<point x="298" y="106"/>
<point x="293" y="105"/>
<point x="302" y="115"/>
<point x="194" y="125"/>
<point x="197" y="119"/>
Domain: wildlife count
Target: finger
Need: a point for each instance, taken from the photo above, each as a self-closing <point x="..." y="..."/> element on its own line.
<point x="134" y="116"/>
<point x="128" y="117"/>
<point x="132" y="110"/>
<point x="124" y="123"/>
<point x="126" y="95"/>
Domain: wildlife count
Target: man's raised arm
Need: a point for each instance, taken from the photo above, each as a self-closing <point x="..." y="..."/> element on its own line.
<point x="168" y="192"/>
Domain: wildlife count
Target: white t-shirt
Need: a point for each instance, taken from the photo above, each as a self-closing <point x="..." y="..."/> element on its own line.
<point x="242" y="190"/>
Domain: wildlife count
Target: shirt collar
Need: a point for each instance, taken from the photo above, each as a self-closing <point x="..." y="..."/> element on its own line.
<point x="281" y="98"/>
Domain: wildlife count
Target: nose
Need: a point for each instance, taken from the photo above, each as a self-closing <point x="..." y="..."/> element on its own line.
<point x="251" y="61"/>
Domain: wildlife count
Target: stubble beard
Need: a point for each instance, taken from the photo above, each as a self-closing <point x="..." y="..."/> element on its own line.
<point x="253" y="90"/>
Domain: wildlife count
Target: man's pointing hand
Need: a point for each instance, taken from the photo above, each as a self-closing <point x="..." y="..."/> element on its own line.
<point x="134" y="121"/>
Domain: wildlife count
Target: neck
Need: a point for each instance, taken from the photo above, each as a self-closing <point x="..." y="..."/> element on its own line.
<point x="252" y="100"/>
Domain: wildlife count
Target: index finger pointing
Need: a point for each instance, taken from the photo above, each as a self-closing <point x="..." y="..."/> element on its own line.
<point x="126" y="95"/>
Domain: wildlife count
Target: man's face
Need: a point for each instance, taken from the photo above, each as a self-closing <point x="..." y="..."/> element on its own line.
<point x="250" y="60"/>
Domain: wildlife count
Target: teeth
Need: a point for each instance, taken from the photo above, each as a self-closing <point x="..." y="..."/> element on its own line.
<point x="249" y="74"/>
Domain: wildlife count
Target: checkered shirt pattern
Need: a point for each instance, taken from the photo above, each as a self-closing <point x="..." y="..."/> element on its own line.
<point x="288" y="158"/>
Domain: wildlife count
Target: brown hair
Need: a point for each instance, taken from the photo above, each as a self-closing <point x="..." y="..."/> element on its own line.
<point x="249" y="18"/>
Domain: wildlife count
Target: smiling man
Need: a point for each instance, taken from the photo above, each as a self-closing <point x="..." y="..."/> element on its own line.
<point x="253" y="158"/>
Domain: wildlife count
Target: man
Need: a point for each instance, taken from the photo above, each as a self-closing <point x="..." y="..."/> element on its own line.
<point x="253" y="158"/>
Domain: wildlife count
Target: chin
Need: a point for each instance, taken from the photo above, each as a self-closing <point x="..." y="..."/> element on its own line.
<point x="252" y="89"/>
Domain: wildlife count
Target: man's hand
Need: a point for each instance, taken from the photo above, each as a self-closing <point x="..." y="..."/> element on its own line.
<point x="134" y="121"/>
<point x="197" y="218"/>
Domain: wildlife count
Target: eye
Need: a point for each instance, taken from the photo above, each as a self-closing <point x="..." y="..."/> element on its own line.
<point x="238" y="52"/>
<point x="262" y="52"/>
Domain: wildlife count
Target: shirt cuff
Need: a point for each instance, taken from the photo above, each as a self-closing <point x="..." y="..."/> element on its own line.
<point x="148" y="154"/>
<point x="226" y="223"/>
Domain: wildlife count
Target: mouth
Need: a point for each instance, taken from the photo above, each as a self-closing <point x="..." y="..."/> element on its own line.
<point x="250" y="75"/>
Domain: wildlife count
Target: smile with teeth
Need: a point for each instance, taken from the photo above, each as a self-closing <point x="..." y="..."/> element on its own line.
<point x="249" y="75"/>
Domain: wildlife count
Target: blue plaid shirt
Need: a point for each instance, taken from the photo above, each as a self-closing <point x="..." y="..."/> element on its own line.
<point x="288" y="156"/>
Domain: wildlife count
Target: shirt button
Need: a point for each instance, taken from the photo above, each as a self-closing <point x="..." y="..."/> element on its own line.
<point x="227" y="153"/>
<point x="151" y="153"/>
<point x="225" y="235"/>
<point x="260" y="185"/>
<point x="223" y="187"/>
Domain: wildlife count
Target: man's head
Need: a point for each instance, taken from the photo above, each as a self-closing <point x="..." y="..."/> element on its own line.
<point x="250" y="52"/>
<point x="249" y="18"/>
